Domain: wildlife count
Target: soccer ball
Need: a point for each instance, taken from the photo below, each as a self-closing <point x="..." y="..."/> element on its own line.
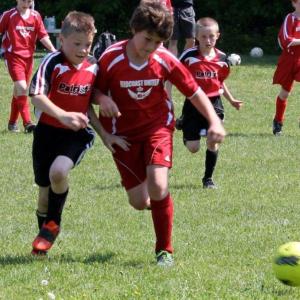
<point x="286" y="264"/>
<point x="234" y="59"/>
<point x="256" y="52"/>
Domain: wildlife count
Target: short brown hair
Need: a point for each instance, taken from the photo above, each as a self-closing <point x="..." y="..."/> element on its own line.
<point x="153" y="17"/>
<point x="206" y="22"/>
<point x="77" y="21"/>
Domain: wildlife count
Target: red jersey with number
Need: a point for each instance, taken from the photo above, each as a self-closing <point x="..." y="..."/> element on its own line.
<point x="208" y="72"/>
<point x="19" y="34"/>
<point x="67" y="86"/>
<point x="139" y="92"/>
<point x="289" y="31"/>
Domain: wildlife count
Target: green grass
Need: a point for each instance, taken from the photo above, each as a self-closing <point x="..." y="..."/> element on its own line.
<point x="224" y="239"/>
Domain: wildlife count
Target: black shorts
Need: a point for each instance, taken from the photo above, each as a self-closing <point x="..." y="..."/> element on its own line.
<point x="194" y="125"/>
<point x="50" y="142"/>
<point x="184" y="23"/>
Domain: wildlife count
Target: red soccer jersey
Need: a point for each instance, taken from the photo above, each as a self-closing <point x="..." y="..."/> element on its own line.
<point x="289" y="31"/>
<point x="209" y="73"/>
<point x="139" y="90"/>
<point x="67" y="86"/>
<point x="19" y="34"/>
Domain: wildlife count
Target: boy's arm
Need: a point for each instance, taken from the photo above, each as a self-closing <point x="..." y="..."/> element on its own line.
<point x="234" y="102"/>
<point x="72" y="120"/>
<point x="48" y="44"/>
<point x="216" y="131"/>
<point x="108" y="139"/>
<point x="108" y="108"/>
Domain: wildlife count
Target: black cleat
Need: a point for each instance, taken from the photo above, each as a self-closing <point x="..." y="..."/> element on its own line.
<point x="179" y="123"/>
<point x="208" y="183"/>
<point x="277" y="128"/>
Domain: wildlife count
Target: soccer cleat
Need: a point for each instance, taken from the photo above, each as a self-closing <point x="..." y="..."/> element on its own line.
<point x="164" y="259"/>
<point x="277" y="127"/>
<point x="13" y="127"/>
<point x="29" y="127"/>
<point x="208" y="183"/>
<point x="38" y="253"/>
<point x="46" y="237"/>
<point x="179" y="123"/>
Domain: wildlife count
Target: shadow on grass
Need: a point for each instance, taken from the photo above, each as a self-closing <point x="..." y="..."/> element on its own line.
<point x="64" y="258"/>
<point x="262" y="135"/>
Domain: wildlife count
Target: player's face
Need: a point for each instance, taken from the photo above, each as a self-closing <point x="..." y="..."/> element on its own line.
<point x="23" y="5"/>
<point x="207" y="38"/>
<point x="76" y="46"/>
<point x="144" y="43"/>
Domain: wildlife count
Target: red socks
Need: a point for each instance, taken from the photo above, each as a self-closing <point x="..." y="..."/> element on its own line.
<point x="280" y="109"/>
<point x="24" y="109"/>
<point x="14" y="111"/>
<point x="162" y="216"/>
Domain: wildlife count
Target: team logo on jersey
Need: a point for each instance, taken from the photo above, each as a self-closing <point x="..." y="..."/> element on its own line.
<point x="139" y="89"/>
<point x="24" y="30"/>
<point x="206" y="74"/>
<point x="73" y="89"/>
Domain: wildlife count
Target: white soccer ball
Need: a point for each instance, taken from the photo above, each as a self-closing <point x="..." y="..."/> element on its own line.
<point x="256" y="52"/>
<point x="234" y="59"/>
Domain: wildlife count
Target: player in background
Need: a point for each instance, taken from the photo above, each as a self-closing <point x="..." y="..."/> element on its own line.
<point x="20" y="28"/>
<point x="133" y="72"/>
<point x="184" y="25"/>
<point x="61" y="91"/>
<point x="288" y="67"/>
<point x="210" y="68"/>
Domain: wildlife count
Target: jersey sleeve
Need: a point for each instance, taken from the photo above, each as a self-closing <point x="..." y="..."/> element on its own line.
<point x="3" y="23"/>
<point x="181" y="77"/>
<point x="41" y="81"/>
<point x="41" y="30"/>
<point x="102" y="80"/>
<point x="286" y="36"/>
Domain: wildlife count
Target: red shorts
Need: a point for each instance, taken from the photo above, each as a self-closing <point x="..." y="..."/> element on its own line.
<point x="156" y="149"/>
<point x="287" y="71"/>
<point x="19" y="68"/>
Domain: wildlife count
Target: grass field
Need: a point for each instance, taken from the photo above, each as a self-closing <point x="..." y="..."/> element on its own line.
<point x="224" y="239"/>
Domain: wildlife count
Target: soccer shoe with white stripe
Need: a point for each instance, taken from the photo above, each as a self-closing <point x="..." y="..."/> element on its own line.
<point x="164" y="259"/>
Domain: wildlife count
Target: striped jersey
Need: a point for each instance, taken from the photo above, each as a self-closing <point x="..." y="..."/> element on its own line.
<point x="138" y="90"/>
<point x="208" y="72"/>
<point x="67" y="86"/>
<point x="20" y="34"/>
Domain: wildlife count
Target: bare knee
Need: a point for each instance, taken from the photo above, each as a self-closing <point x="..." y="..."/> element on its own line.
<point x="57" y="176"/>
<point x="193" y="146"/>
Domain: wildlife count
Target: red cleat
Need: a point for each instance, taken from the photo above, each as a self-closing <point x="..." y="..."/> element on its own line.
<point x="46" y="237"/>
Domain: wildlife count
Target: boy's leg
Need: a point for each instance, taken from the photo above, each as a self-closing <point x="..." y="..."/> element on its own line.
<point x="58" y="192"/>
<point x="14" y="115"/>
<point x="42" y="206"/>
<point x="281" y="104"/>
<point x="162" y="212"/>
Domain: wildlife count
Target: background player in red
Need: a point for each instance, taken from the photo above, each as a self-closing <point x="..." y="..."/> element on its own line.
<point x="61" y="91"/>
<point x="210" y="68"/>
<point x="21" y="27"/>
<point x="288" y="67"/>
<point x="134" y="72"/>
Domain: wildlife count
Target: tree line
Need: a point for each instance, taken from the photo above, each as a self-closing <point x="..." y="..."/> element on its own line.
<point x="243" y="24"/>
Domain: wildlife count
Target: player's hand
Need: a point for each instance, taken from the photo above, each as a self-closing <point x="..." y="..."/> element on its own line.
<point x="216" y="133"/>
<point x="237" y="104"/>
<point x="74" y="120"/>
<point x="109" y="140"/>
<point x="108" y="108"/>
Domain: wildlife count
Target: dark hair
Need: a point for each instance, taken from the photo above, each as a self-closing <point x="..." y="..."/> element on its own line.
<point x="153" y="17"/>
<point x="77" y="21"/>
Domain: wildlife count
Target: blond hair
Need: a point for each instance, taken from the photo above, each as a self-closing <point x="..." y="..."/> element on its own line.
<point x="206" y="22"/>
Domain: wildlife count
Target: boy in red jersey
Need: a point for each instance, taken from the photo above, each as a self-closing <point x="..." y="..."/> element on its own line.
<point x="61" y="91"/>
<point x="134" y="72"/>
<point x="210" y="68"/>
<point x="288" y="67"/>
<point x="21" y="27"/>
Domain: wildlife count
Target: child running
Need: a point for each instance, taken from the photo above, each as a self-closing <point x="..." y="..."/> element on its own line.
<point x="210" y="68"/>
<point x="134" y="73"/>
<point x="21" y="27"/>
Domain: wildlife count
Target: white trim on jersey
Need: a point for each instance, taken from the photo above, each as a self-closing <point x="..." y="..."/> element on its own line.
<point x="40" y="78"/>
<point x="161" y="61"/>
<point x="115" y="61"/>
<point x="187" y="51"/>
